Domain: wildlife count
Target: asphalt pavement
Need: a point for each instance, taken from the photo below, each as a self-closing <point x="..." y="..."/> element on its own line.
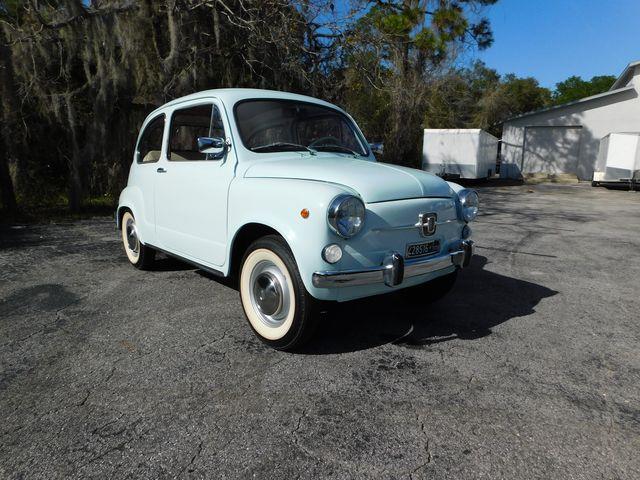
<point x="530" y="368"/>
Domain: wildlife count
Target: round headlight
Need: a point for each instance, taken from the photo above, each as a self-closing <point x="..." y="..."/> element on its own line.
<point x="469" y="203"/>
<point x="346" y="215"/>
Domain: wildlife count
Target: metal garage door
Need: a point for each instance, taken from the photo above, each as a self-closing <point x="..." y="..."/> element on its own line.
<point x="551" y="150"/>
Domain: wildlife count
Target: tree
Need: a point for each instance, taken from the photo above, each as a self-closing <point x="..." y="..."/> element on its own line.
<point x="411" y="40"/>
<point x="8" y="111"/>
<point x="93" y="70"/>
<point x="478" y="97"/>
<point x="510" y="97"/>
<point x="454" y="99"/>
<point x="80" y="75"/>
<point x="574" y="88"/>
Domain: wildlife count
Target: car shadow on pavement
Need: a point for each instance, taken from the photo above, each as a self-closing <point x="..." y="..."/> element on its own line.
<point x="167" y="263"/>
<point x="480" y="300"/>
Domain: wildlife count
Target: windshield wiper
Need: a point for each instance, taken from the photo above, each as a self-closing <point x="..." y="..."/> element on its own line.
<point x="335" y="148"/>
<point x="279" y="146"/>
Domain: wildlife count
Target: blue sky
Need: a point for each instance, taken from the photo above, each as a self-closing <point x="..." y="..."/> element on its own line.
<point x="552" y="40"/>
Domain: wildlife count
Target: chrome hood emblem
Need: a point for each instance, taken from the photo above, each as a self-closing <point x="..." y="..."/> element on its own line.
<point x="427" y="224"/>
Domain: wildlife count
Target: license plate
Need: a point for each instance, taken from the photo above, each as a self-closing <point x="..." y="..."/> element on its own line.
<point x="423" y="249"/>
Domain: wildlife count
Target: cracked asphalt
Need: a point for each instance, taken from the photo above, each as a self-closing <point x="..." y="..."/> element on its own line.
<point x="530" y="368"/>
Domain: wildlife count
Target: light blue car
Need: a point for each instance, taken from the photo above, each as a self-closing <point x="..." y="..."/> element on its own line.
<point x="282" y="192"/>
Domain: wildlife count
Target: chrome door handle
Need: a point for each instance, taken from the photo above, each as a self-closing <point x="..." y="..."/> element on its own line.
<point x="161" y="170"/>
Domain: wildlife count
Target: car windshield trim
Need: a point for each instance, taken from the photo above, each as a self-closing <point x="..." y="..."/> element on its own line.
<point x="366" y="151"/>
<point x="335" y="148"/>
<point x="273" y="146"/>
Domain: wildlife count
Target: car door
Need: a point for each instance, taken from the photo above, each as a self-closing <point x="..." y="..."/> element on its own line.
<point x="143" y="175"/>
<point x="191" y="187"/>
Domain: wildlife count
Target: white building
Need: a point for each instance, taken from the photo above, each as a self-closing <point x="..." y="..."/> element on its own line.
<point x="566" y="138"/>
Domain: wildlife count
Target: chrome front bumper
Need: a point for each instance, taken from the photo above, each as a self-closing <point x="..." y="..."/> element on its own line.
<point x="395" y="269"/>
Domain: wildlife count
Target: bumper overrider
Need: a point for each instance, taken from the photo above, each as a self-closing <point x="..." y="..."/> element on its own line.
<point x="395" y="269"/>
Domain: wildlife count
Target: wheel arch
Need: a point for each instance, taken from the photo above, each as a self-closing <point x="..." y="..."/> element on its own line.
<point x="122" y="209"/>
<point x="245" y="236"/>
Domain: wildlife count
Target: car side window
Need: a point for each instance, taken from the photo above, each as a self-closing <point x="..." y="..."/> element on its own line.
<point x="150" y="144"/>
<point x="187" y="124"/>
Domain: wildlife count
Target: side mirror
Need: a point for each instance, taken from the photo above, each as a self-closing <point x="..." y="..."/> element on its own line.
<point x="377" y="148"/>
<point x="216" y="147"/>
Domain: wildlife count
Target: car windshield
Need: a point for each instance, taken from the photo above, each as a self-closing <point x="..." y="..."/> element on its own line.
<point x="289" y="125"/>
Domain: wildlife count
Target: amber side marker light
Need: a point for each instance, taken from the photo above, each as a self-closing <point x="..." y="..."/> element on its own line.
<point x="304" y="213"/>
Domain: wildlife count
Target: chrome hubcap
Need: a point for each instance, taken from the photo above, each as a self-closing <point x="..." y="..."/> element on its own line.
<point x="131" y="232"/>
<point x="269" y="293"/>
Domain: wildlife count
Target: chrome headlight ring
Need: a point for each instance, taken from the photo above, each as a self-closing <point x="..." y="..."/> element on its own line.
<point x="469" y="203"/>
<point x="346" y="215"/>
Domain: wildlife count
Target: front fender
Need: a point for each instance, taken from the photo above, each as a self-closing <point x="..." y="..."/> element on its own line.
<point x="277" y="203"/>
<point x="455" y="187"/>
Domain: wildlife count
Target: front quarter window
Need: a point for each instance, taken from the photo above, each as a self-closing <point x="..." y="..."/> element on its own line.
<point x="150" y="144"/>
<point x="289" y="125"/>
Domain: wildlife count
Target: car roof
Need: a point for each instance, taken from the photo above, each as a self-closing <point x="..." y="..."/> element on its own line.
<point x="230" y="96"/>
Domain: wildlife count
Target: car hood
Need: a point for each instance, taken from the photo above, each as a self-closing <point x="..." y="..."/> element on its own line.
<point x="374" y="181"/>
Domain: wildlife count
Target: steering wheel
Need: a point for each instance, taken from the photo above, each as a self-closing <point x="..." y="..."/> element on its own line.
<point x="323" y="141"/>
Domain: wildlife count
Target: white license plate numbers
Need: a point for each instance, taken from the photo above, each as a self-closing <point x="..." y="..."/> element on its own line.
<point x="422" y="249"/>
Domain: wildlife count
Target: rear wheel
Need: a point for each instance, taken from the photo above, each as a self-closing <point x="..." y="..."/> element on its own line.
<point x="276" y="304"/>
<point x="138" y="254"/>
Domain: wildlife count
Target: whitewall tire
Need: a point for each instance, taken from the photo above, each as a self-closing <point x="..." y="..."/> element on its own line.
<point x="276" y="304"/>
<point x="138" y="254"/>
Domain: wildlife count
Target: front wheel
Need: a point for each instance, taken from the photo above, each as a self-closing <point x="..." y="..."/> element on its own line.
<point x="277" y="306"/>
<point x="138" y="254"/>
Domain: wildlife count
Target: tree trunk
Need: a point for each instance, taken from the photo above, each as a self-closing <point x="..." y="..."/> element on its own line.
<point x="216" y="27"/>
<point x="172" y="28"/>
<point x="75" y="187"/>
<point x="77" y="182"/>
<point x="6" y="185"/>
<point x="7" y="89"/>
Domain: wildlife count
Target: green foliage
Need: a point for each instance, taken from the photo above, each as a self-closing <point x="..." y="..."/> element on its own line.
<point x="574" y="88"/>
<point x="81" y="76"/>
<point x="524" y="94"/>
<point x="426" y="40"/>
<point x="454" y="100"/>
<point x="512" y="96"/>
<point x="397" y="49"/>
<point x="478" y="97"/>
<point x="393" y="24"/>
<point x="450" y="22"/>
<point x="10" y="8"/>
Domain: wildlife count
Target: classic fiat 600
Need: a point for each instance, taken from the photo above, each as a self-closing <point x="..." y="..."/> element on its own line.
<point x="283" y="193"/>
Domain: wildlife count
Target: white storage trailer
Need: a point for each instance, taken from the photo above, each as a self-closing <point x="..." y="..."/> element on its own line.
<point x="618" y="159"/>
<point x="464" y="153"/>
